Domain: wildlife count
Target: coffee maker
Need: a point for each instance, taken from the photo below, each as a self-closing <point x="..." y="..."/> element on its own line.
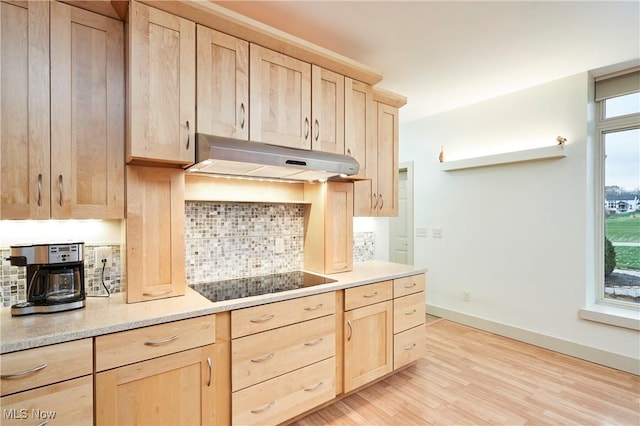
<point x="55" y="277"/>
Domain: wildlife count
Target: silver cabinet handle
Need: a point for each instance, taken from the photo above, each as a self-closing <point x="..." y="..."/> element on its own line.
<point x="188" y="135"/>
<point x="209" y="365"/>
<point x="410" y="312"/>
<point x="23" y="373"/>
<point x="156" y="293"/>
<point x="409" y="347"/>
<point x="317" y="130"/>
<point x="313" y="388"/>
<point x="306" y="128"/>
<point x="369" y="296"/>
<point x="349" y="152"/>
<point x="410" y="285"/>
<point x="313" y="308"/>
<point x="39" y="189"/>
<point x="42" y="423"/>
<point x="161" y="342"/>
<point x="260" y="410"/>
<point x="263" y="318"/>
<point x="350" y="330"/>
<point x="60" y="188"/>
<point x="314" y="342"/>
<point x="375" y="199"/>
<point x="242" y="115"/>
<point x="264" y="358"/>
<point x="381" y="201"/>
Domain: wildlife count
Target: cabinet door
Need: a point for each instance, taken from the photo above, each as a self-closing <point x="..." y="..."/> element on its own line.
<point x="24" y="110"/>
<point x="87" y="114"/>
<point x="155" y="233"/>
<point x="64" y="403"/>
<point x="339" y="228"/>
<point x="327" y="96"/>
<point x="223" y="84"/>
<point x="171" y="390"/>
<point x="368" y="344"/>
<point x="280" y="99"/>
<point x="161" y="86"/>
<point x="387" y="141"/>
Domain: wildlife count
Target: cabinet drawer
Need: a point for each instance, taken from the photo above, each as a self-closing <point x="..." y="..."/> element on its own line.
<point x="408" y="312"/>
<point x="45" y="365"/>
<point x="265" y="355"/>
<point x="408" y="285"/>
<point x="357" y="297"/>
<point x="66" y="403"/>
<point x="284" y="397"/>
<point x="126" y="347"/>
<point x="273" y="315"/>
<point x="408" y="346"/>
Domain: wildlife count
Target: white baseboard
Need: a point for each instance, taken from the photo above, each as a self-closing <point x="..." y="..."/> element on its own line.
<point x="599" y="356"/>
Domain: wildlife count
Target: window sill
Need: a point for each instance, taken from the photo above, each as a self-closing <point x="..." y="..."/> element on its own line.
<point x="612" y="315"/>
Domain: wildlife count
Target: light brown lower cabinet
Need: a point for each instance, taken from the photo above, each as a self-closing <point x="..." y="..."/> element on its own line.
<point x="169" y="390"/>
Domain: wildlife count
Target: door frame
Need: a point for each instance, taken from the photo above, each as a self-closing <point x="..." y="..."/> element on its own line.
<point x="408" y="167"/>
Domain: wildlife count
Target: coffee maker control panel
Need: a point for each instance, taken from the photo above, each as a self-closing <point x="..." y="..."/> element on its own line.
<point x="63" y="253"/>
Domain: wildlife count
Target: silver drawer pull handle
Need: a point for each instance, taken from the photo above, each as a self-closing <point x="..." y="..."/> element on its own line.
<point x="156" y="293"/>
<point x="264" y="358"/>
<point x="264" y="318"/>
<point x="410" y="285"/>
<point x="410" y="312"/>
<point x="260" y="410"/>
<point x="315" y="342"/>
<point x="369" y="296"/>
<point x="23" y="373"/>
<point x="42" y="423"/>
<point x="313" y="308"/>
<point x="161" y="342"/>
<point x="316" y="387"/>
<point x="409" y="347"/>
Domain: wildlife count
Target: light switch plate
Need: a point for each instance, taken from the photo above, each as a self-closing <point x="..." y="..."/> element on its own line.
<point x="421" y="232"/>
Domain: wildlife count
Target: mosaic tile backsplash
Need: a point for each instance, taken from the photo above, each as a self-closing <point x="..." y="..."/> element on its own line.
<point x="13" y="280"/>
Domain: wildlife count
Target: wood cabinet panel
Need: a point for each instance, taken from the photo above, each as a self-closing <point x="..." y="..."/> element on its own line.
<point x="223" y="84"/>
<point x="127" y="347"/>
<point x="408" y="285"/>
<point x="359" y="127"/>
<point x="61" y="362"/>
<point x="155" y="233"/>
<point x="170" y="390"/>
<point x="24" y="110"/>
<point x="284" y="397"/>
<point x="66" y="403"/>
<point x="327" y="97"/>
<point x="408" y="312"/>
<point x="87" y="114"/>
<point x="280" y="99"/>
<point x="368" y="344"/>
<point x="357" y="297"/>
<point x="387" y="167"/>
<point x="262" y="356"/>
<point x="162" y="82"/>
<point x="273" y="315"/>
<point x="408" y="346"/>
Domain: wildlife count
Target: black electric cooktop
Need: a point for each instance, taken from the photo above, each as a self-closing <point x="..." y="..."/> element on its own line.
<point x="254" y="286"/>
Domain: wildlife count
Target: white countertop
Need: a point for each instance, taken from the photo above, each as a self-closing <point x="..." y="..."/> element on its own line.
<point x="113" y="314"/>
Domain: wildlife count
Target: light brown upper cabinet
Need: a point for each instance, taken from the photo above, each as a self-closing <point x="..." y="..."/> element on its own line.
<point x="327" y="97"/>
<point x="62" y="156"/>
<point x="162" y="80"/>
<point x="280" y="102"/>
<point x="223" y="84"/>
<point x="359" y="126"/>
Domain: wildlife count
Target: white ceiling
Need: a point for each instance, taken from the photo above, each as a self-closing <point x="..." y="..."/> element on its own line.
<point x="447" y="54"/>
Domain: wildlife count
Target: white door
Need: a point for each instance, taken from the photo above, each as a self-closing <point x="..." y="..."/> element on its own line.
<point x="401" y="227"/>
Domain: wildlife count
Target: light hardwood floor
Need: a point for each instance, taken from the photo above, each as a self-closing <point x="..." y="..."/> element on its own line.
<point x="471" y="377"/>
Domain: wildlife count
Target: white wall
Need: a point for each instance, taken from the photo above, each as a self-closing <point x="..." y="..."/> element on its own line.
<point x="514" y="235"/>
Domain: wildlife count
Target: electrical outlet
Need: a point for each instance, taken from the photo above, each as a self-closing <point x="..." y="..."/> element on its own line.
<point x="103" y="253"/>
<point x="421" y="232"/>
<point x="279" y="245"/>
<point x="467" y="296"/>
<point x="437" y="232"/>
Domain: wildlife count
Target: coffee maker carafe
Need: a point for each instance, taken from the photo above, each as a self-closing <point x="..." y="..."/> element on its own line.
<point x="55" y="277"/>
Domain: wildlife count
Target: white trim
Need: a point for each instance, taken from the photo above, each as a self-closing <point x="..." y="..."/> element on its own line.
<point x="598" y="356"/>
<point x="620" y="317"/>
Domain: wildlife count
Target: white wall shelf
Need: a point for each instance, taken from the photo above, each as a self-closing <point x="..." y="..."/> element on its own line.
<point x="535" y="154"/>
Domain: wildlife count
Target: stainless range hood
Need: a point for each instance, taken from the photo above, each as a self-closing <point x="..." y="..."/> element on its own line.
<point x="231" y="157"/>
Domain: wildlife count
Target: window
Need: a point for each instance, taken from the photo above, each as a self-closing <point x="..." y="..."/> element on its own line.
<point x="618" y="102"/>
